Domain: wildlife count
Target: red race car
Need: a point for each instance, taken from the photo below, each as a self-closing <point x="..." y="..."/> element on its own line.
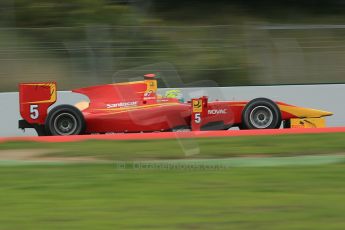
<point x="136" y="107"/>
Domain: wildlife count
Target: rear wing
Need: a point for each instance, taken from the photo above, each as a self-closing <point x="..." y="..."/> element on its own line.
<point x="35" y="99"/>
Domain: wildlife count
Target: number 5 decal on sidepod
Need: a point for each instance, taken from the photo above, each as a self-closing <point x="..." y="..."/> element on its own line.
<point x="34" y="114"/>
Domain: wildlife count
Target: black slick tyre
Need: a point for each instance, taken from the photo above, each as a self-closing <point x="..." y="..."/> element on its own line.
<point x="261" y="113"/>
<point x="65" y="120"/>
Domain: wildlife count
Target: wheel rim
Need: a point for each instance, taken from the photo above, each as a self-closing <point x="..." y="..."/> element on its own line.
<point x="261" y="117"/>
<point x="65" y="124"/>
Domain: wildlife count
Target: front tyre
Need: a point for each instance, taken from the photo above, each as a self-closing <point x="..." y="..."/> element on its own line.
<point x="261" y="113"/>
<point x="65" y="120"/>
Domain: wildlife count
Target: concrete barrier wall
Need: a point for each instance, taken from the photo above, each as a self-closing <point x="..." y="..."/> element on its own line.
<point x="326" y="97"/>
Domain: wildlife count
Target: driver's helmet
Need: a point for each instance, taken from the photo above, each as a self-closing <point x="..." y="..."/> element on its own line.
<point x="174" y="93"/>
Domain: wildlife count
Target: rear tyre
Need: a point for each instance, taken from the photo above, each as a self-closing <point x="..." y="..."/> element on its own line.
<point x="261" y="113"/>
<point x="65" y="120"/>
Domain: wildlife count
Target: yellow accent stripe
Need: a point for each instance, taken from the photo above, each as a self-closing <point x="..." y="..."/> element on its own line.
<point x="125" y="109"/>
<point x="128" y="83"/>
<point x="243" y="104"/>
<point x="304" y="112"/>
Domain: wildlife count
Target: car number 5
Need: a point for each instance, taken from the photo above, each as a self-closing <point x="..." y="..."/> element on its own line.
<point x="34" y="112"/>
<point x="197" y="118"/>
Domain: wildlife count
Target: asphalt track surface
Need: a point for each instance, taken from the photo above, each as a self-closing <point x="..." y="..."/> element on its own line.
<point x="174" y="135"/>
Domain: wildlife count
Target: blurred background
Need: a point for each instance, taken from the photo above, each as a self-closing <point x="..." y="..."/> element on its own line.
<point x="235" y="42"/>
